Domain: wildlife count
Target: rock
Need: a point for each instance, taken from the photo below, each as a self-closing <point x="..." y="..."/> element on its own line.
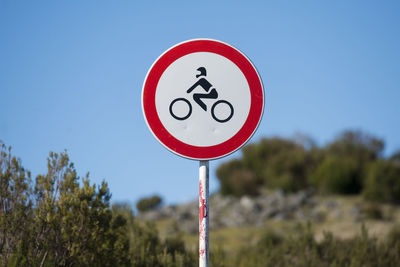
<point x="301" y="215"/>
<point x="331" y="204"/>
<point x="356" y="210"/>
<point x="247" y="203"/>
<point x="282" y="216"/>
<point x="189" y="227"/>
<point x="151" y="215"/>
<point x="356" y="213"/>
<point x="337" y="214"/>
<point x="298" y="199"/>
<point x="227" y="211"/>
<point x="318" y="215"/>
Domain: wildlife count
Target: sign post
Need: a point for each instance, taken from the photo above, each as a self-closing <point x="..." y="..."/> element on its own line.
<point x="203" y="99"/>
<point x="203" y="214"/>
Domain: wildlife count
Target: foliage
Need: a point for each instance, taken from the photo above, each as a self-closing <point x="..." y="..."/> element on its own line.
<point x="15" y="205"/>
<point x="274" y="158"/>
<point x="60" y="220"/>
<point x="274" y="163"/>
<point x="73" y="224"/>
<point x="345" y="162"/>
<point x="337" y="175"/>
<point x="396" y="157"/>
<point x="383" y="182"/>
<point x="146" y="247"/>
<point x="236" y="180"/>
<point x="373" y="211"/>
<point x="360" y="146"/>
<point x="340" y="167"/>
<point x="304" y="250"/>
<point x="393" y="237"/>
<point x="148" y="203"/>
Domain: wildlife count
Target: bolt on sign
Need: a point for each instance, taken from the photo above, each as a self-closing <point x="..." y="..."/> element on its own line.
<point x="203" y="99"/>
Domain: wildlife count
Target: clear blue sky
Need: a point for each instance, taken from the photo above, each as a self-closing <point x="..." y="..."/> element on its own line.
<point x="71" y="75"/>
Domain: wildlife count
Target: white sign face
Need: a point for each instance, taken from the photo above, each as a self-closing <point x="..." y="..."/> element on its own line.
<point x="183" y="113"/>
<point x="202" y="99"/>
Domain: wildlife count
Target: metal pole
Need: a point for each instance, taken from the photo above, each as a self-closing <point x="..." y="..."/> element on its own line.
<point x="203" y="214"/>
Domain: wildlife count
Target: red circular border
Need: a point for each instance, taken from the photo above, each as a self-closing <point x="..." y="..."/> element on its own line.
<point x="197" y="152"/>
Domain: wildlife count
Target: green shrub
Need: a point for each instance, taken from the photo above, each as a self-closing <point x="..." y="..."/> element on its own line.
<point x="383" y="182"/>
<point x="147" y="249"/>
<point x="395" y="157"/>
<point x="174" y="244"/>
<point x="149" y="203"/>
<point x="258" y="156"/>
<point x="303" y="250"/>
<point x="287" y="170"/>
<point x="59" y="219"/>
<point x="276" y="158"/>
<point x="372" y="211"/>
<point x="272" y="163"/>
<point x="339" y="175"/>
<point x="393" y="237"/>
<point x="338" y="167"/>
<point x="360" y="146"/>
<point x="345" y="161"/>
<point x="236" y="180"/>
<point x="218" y="257"/>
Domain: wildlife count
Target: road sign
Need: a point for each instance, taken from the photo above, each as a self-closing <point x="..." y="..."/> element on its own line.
<point x="202" y="99"/>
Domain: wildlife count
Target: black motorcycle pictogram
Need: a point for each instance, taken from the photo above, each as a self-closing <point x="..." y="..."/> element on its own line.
<point x="198" y="98"/>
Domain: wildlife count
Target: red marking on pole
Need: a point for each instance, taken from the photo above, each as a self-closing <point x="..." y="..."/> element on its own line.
<point x="202" y="215"/>
<point x="202" y="251"/>
<point x="202" y="208"/>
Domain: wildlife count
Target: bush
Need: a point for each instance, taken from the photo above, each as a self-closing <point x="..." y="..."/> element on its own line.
<point x="272" y="163"/>
<point x="273" y="154"/>
<point x="57" y="220"/>
<point x="146" y="249"/>
<point x="373" y="211"/>
<point x="345" y="161"/>
<point x="294" y="165"/>
<point x="338" y="175"/>
<point x="236" y="180"/>
<point x="287" y="170"/>
<point x="395" y="158"/>
<point x="303" y="250"/>
<point x="383" y="182"/>
<point x="149" y="203"/>
<point x="360" y="146"/>
<point x="393" y="237"/>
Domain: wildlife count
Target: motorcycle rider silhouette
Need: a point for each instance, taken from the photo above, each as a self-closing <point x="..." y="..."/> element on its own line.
<point x="197" y="97"/>
<point x="206" y="85"/>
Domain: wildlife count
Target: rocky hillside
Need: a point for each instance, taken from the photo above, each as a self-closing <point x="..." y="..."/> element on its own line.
<point x="343" y="216"/>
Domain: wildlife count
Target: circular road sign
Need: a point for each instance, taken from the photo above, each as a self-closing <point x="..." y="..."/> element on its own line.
<point x="202" y="99"/>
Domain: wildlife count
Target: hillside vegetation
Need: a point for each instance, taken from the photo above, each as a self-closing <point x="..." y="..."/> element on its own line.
<point x="61" y="219"/>
<point x="283" y="203"/>
<point x="350" y="164"/>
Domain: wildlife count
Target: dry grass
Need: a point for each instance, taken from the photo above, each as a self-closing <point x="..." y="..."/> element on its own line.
<point x="339" y="220"/>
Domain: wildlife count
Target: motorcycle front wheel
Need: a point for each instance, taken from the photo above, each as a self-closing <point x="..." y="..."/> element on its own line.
<point x="175" y="110"/>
